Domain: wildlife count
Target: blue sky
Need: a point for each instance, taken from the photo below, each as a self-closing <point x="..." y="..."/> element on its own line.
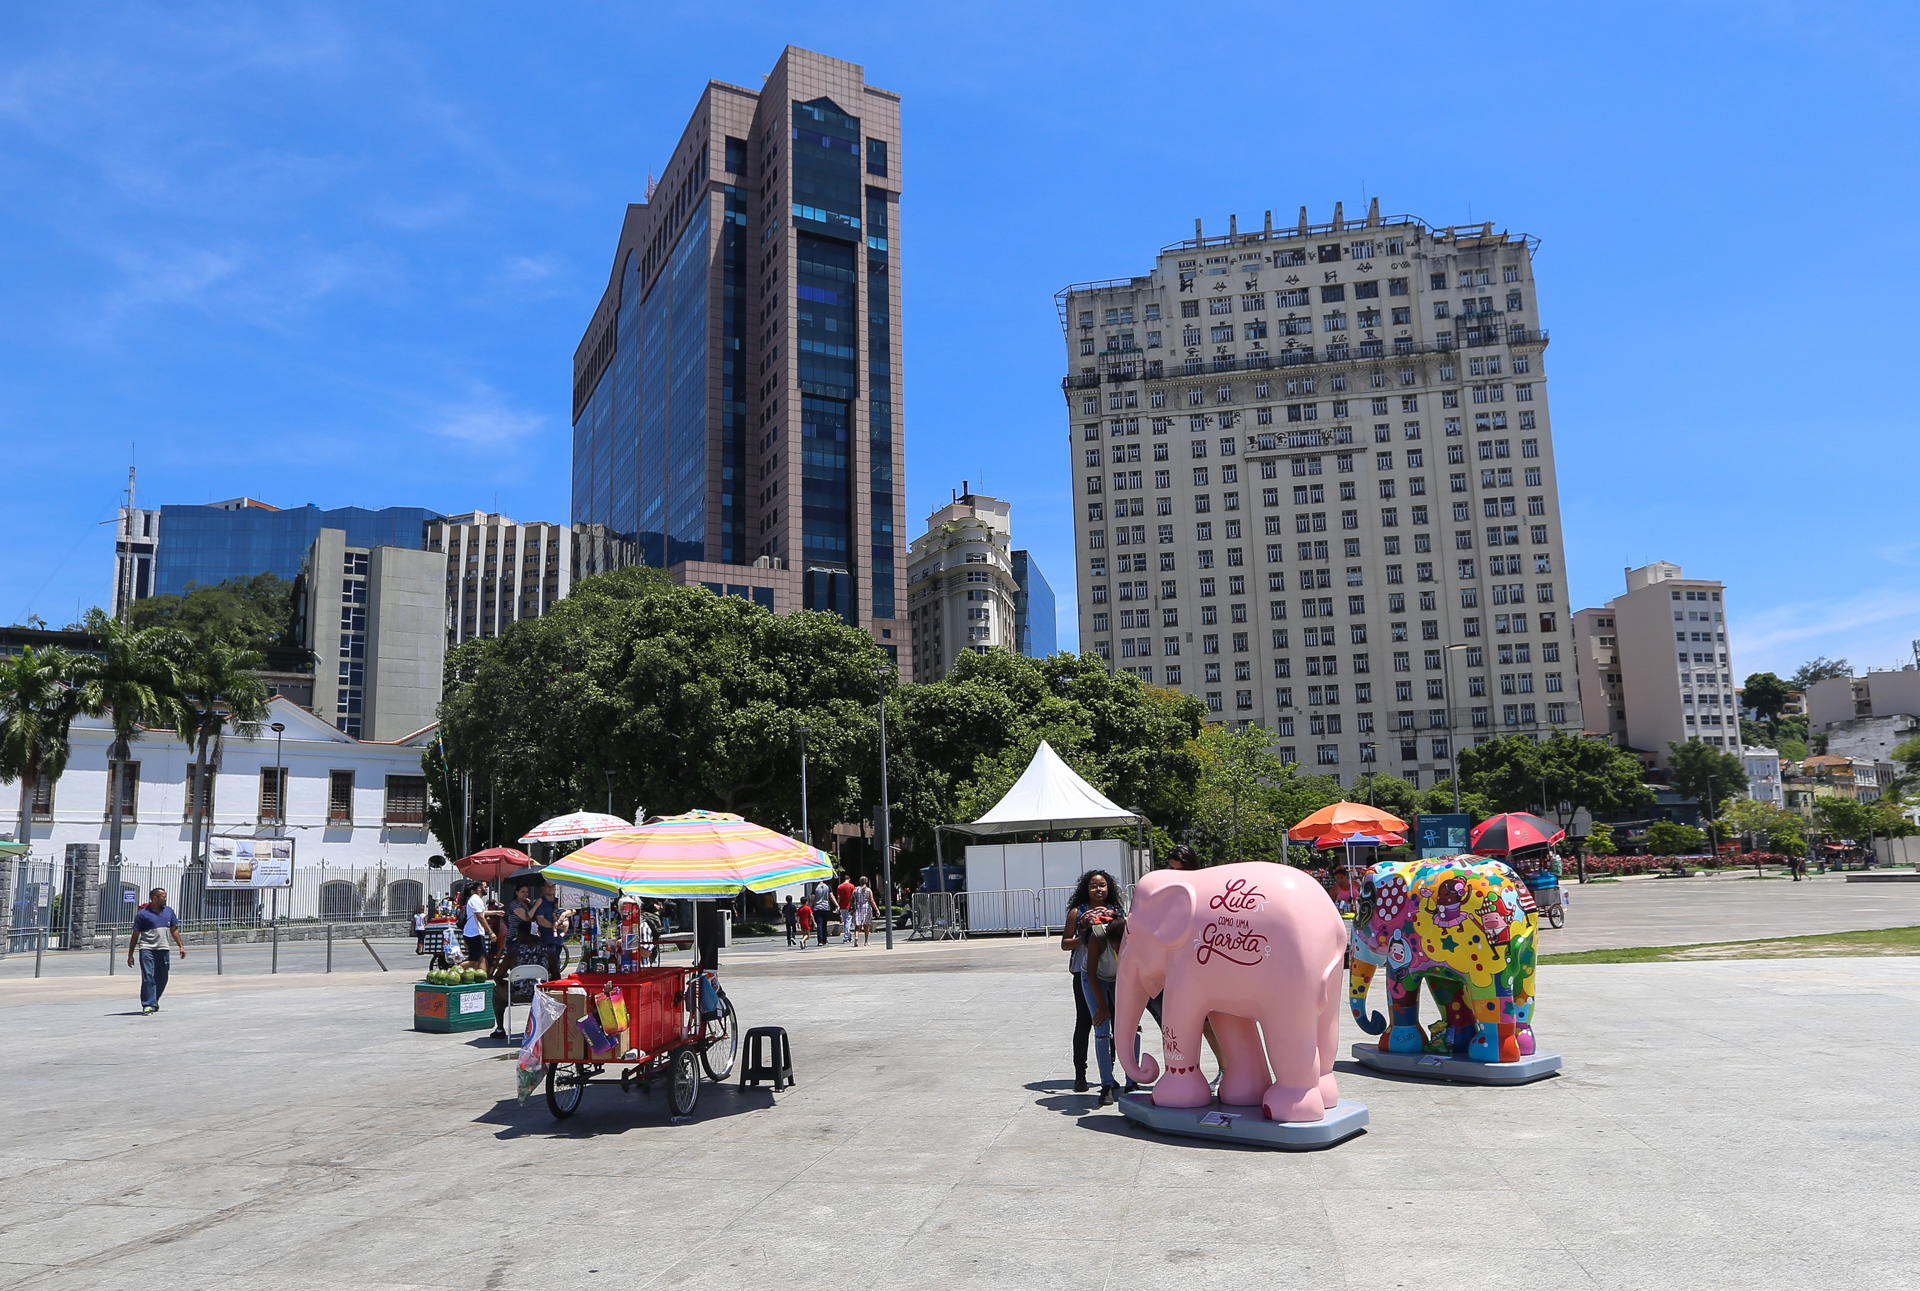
<point x="343" y="253"/>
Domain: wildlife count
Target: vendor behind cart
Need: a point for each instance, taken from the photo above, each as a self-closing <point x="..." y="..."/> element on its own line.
<point x="475" y="930"/>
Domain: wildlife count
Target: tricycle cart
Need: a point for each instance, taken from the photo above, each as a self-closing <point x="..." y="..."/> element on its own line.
<point x="674" y="1021"/>
<point x="1548" y="901"/>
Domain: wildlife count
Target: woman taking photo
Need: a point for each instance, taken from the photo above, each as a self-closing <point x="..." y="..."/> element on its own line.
<point x="1094" y="927"/>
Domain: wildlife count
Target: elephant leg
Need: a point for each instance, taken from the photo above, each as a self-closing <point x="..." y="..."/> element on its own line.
<point x="1328" y="1041"/>
<point x="1485" y="1003"/>
<point x="1243" y="1062"/>
<point x="1450" y="999"/>
<point x="1523" y="976"/>
<point x="1182" y="1084"/>
<point x="1403" y="1002"/>
<point x="1293" y="1046"/>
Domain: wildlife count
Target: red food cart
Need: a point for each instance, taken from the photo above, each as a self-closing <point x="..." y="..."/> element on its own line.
<point x="675" y="1021"/>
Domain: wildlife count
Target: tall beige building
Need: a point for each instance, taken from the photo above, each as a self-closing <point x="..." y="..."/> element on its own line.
<point x="1316" y="487"/>
<point x="960" y="584"/>
<point x="1654" y="664"/>
<point x="499" y="571"/>
<point x="374" y="618"/>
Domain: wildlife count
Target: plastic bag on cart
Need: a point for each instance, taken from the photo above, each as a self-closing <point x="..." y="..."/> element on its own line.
<point x="545" y="1012"/>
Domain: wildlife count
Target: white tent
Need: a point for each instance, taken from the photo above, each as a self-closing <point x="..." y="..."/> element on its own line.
<point x="1049" y="796"/>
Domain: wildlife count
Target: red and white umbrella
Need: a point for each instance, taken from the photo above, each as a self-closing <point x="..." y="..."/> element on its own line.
<point x="575" y="826"/>
<point x="1512" y="831"/>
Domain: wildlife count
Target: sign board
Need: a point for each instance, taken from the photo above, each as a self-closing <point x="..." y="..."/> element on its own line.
<point x="249" y="862"/>
<point x="1441" y="835"/>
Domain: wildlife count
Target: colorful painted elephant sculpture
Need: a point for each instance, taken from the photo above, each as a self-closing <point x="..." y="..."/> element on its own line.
<point x="1465" y="927"/>
<point x="1235" y="945"/>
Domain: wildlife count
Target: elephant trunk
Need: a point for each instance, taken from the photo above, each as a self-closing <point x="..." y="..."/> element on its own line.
<point x="1362" y="978"/>
<point x="1130" y="1001"/>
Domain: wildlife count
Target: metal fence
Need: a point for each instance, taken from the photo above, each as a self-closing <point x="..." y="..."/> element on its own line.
<point x="320" y="892"/>
<point x="939" y="915"/>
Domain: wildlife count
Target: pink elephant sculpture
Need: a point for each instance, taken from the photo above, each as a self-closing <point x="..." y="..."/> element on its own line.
<point x="1236" y="945"/>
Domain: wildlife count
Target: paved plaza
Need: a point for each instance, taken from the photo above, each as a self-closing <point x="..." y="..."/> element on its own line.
<point x="1725" y="1124"/>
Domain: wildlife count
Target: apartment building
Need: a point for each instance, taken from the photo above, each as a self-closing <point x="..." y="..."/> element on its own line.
<point x="375" y="619"/>
<point x="961" y="590"/>
<point x="1656" y="662"/>
<point x="737" y="401"/>
<point x="1317" y="487"/>
<point x="499" y="571"/>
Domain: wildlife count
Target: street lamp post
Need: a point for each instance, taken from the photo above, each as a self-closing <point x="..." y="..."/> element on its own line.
<point x="279" y="782"/>
<point x="886" y="839"/>
<point x="1713" y="839"/>
<point x="1446" y="697"/>
<point x="805" y="835"/>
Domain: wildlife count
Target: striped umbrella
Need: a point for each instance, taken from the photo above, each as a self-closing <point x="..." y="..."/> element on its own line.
<point x="699" y="854"/>
<point x="575" y="826"/>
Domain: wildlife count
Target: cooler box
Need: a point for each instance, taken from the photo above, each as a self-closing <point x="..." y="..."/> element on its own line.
<point x="452" y="1008"/>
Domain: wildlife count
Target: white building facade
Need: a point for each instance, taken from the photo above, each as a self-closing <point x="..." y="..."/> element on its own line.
<point x="1316" y="488"/>
<point x="347" y="803"/>
<point x="960" y="584"/>
<point x="1763" y="775"/>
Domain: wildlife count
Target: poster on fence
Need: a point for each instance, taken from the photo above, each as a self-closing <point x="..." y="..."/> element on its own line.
<point x="249" y="862"/>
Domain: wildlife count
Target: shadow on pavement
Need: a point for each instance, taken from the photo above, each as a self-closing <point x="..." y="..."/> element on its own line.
<point x="608" y="1109"/>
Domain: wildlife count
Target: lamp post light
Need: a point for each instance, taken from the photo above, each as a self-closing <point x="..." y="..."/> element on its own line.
<point x="880" y="672"/>
<point x="279" y="781"/>
<point x="805" y="835"/>
<point x="1446" y="697"/>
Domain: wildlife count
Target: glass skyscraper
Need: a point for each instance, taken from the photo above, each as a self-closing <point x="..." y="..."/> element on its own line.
<point x="1034" y="610"/>
<point x="736" y="411"/>
<point x="241" y="538"/>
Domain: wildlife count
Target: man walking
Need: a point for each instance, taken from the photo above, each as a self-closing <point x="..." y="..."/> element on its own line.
<point x="845" y="892"/>
<point x="791" y="914"/>
<point x="151" y="924"/>
<point x="475" y="929"/>
<point x="822" y="907"/>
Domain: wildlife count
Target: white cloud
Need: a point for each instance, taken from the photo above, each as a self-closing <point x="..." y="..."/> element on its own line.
<point x="1872" y="628"/>
<point x="484" y="420"/>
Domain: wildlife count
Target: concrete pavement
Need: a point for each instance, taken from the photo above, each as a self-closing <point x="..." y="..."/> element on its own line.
<point x="1718" y="1125"/>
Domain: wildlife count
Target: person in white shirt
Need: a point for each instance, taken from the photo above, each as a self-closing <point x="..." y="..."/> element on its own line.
<point x="475" y="930"/>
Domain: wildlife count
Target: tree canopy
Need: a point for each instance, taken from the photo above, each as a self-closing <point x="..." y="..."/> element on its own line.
<point x="1516" y="773"/>
<point x="1666" y="838"/>
<point x="1706" y="774"/>
<point x="1819" y="668"/>
<point x="252" y="612"/>
<point x="1766" y="694"/>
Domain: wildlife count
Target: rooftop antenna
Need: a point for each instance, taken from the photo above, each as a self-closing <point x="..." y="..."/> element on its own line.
<point x="650" y="187"/>
<point x="124" y="593"/>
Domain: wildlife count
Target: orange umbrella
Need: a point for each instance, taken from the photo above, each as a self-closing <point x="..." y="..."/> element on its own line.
<point x="1343" y="818"/>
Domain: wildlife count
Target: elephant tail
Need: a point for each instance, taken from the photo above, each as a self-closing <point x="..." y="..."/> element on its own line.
<point x="1362" y="978"/>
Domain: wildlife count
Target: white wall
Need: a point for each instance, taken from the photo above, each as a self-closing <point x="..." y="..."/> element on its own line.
<point x="161" y="834"/>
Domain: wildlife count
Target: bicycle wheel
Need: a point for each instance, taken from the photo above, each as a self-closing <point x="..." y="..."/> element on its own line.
<point x="720" y="1042"/>
<point x="564" y="1092"/>
<point x="1556" y="916"/>
<point x="683" y="1086"/>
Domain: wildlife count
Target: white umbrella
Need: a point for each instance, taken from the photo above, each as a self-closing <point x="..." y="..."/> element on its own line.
<point x="574" y="827"/>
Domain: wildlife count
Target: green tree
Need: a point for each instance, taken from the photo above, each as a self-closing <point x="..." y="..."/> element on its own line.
<point x="1230" y="804"/>
<point x="41" y="692"/>
<point x="1599" y="839"/>
<point x="1845" y="818"/>
<point x="136" y="682"/>
<point x="218" y="688"/>
<point x="1907" y="754"/>
<point x="1665" y="838"/>
<point x="254" y="612"/>
<point x="1707" y="775"/>
<point x="1757" y="820"/>
<point x="664" y="698"/>
<point x="1438" y="801"/>
<point x="1390" y="792"/>
<point x="1819" y="669"/>
<point x="1560" y="775"/>
<point x="1766" y="694"/>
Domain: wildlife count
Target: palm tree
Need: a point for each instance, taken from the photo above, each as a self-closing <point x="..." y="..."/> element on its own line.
<point x="39" y="699"/>
<point x="136" y="680"/>
<point x="217" y="688"/>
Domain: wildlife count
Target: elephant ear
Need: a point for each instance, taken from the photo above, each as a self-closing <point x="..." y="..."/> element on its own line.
<point x="1165" y="913"/>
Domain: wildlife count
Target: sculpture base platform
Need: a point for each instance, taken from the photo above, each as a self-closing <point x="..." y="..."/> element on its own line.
<point x="1464" y="1071"/>
<point x="1248" y="1126"/>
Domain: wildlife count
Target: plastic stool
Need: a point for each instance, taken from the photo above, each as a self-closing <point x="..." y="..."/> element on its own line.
<point x="776" y="1065"/>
